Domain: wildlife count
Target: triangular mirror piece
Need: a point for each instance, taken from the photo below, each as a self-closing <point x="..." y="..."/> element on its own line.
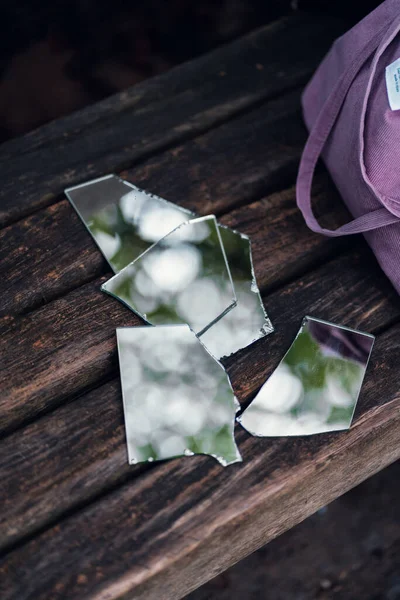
<point x="177" y="398"/>
<point x="183" y="278"/>
<point x="315" y="387"/>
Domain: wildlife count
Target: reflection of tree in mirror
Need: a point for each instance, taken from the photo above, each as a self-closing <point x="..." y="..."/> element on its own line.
<point x="315" y="387"/>
<point x="183" y="278"/>
<point x="177" y="398"/>
<point x="125" y="221"/>
<point x="324" y="377"/>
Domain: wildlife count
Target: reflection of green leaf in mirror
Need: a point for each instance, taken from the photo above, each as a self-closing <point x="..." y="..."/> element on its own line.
<point x="306" y="361"/>
<point x="177" y="399"/>
<point x="315" y="387"/>
<point x="346" y="372"/>
<point x="303" y="349"/>
<point x="219" y="443"/>
<point x="238" y="253"/>
<point x="164" y="314"/>
<point x="147" y="452"/>
<point x="123" y="289"/>
<point x="340" y="415"/>
<point x="111" y="221"/>
<point x="101" y="225"/>
<point x="223" y="444"/>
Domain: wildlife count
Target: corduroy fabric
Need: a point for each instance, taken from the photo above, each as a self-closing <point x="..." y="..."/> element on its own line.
<point x="351" y="124"/>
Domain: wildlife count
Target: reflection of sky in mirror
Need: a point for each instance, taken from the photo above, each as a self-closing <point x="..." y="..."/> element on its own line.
<point x="316" y="386"/>
<point x="177" y="399"/>
<point x="183" y="278"/>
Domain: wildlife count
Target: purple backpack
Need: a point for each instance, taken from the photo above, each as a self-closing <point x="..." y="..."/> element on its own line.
<point x="346" y="109"/>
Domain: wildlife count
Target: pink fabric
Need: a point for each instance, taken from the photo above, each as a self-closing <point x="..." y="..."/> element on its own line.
<point x="347" y="111"/>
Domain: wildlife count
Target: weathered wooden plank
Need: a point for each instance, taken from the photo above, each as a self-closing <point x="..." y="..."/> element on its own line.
<point x="187" y="76"/>
<point x="281" y="245"/>
<point x="183" y="521"/>
<point x="49" y="253"/>
<point x="78" y="451"/>
<point x="336" y="554"/>
<point x="43" y="257"/>
<point x="69" y="340"/>
<point x="131" y="131"/>
<point x="180" y="524"/>
<point x="253" y="155"/>
<point x="68" y="344"/>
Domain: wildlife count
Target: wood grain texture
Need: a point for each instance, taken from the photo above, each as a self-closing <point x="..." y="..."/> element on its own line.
<point x="69" y="457"/>
<point x="232" y="163"/>
<point x="45" y="256"/>
<point x="49" y="253"/>
<point x="186" y="520"/>
<point x="68" y="345"/>
<point x="216" y="135"/>
<point x="343" y="552"/>
<point x="226" y="61"/>
<point x="130" y="128"/>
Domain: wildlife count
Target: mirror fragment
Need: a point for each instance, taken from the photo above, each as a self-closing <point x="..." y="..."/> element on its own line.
<point x="248" y="321"/>
<point x="178" y="400"/>
<point x="125" y="221"/>
<point x="183" y="278"/>
<point x="315" y="387"/>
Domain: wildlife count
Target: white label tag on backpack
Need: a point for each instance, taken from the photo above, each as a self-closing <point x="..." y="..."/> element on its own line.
<point x="393" y="84"/>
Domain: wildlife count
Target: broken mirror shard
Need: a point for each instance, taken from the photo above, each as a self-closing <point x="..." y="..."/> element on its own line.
<point x="315" y="387"/>
<point x="125" y="221"/>
<point x="248" y="321"/>
<point x="178" y="400"/>
<point x="183" y="278"/>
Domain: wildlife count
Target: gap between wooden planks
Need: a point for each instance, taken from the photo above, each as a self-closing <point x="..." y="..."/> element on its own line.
<point x="283" y="220"/>
<point x="83" y="482"/>
<point x="69" y="456"/>
<point x="69" y="344"/>
<point x="181" y="524"/>
<point x="361" y="267"/>
<point x="159" y="114"/>
<point x="49" y="253"/>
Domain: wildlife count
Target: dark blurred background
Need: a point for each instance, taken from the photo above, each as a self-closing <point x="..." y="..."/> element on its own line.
<point x="350" y="550"/>
<point x="58" y="56"/>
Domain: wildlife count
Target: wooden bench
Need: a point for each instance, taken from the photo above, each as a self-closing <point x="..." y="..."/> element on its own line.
<point x="220" y="134"/>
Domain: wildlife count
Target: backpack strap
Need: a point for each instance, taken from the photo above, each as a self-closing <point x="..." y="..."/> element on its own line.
<point x="318" y="137"/>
